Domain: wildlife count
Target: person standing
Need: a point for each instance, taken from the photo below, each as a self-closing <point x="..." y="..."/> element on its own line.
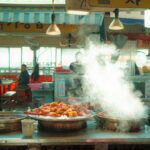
<point x="23" y="77"/>
<point x="75" y="88"/>
<point x="77" y="66"/>
<point x="35" y="73"/>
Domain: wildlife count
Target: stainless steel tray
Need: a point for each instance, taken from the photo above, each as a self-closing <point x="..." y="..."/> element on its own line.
<point x="63" y="118"/>
<point x="10" y="121"/>
<point x="11" y="117"/>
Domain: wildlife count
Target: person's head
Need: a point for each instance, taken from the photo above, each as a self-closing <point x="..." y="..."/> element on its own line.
<point x="23" y="67"/>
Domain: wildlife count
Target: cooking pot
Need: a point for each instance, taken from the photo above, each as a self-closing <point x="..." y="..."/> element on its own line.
<point x="60" y="124"/>
<point x="10" y="121"/>
<point x="109" y="123"/>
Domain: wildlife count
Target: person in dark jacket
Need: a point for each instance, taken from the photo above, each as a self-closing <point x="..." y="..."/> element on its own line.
<point x="35" y="74"/>
<point x="23" y="77"/>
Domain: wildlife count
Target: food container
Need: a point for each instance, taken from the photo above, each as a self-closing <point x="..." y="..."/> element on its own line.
<point x="106" y="122"/>
<point x="28" y="127"/>
<point x="10" y="121"/>
<point x="60" y="124"/>
<point x="60" y="116"/>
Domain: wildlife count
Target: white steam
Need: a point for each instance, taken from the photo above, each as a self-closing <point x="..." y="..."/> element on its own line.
<point x="105" y="82"/>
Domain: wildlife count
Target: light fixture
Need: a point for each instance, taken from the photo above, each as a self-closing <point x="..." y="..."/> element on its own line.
<point x="147" y="18"/>
<point x="75" y="7"/>
<point x="53" y="29"/>
<point x="116" y="24"/>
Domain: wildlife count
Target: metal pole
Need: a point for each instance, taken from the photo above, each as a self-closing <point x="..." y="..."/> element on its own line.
<point x="0" y="95"/>
<point x="34" y="57"/>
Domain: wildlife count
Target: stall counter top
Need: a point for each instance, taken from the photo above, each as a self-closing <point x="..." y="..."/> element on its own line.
<point x="6" y="81"/>
<point x="90" y="135"/>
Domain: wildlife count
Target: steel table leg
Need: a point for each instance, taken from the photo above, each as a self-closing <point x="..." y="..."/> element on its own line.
<point x="101" y="146"/>
<point x="34" y="147"/>
<point x="0" y="103"/>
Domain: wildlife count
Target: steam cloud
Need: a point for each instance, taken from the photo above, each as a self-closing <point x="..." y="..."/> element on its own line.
<point x="105" y="82"/>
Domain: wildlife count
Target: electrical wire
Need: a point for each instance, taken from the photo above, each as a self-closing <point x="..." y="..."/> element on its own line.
<point x="83" y="2"/>
<point x="53" y="6"/>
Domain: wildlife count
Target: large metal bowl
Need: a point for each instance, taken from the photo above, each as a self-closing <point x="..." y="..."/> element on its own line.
<point x="60" y="124"/>
<point x="10" y="121"/>
<point x="108" y="123"/>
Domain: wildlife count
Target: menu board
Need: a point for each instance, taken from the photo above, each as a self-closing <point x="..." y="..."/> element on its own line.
<point x="68" y="85"/>
<point x="120" y="3"/>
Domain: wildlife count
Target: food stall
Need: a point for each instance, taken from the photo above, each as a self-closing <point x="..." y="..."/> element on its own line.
<point x="92" y="137"/>
<point x="99" y="109"/>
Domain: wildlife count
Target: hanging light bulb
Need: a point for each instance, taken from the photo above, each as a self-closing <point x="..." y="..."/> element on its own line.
<point x="116" y="24"/>
<point x="147" y="18"/>
<point x="75" y="9"/>
<point x="53" y="28"/>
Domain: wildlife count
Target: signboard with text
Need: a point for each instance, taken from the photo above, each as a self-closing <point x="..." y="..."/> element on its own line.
<point x="120" y="3"/>
<point x="35" y="27"/>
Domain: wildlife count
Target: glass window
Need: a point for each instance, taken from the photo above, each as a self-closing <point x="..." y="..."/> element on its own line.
<point x="48" y="57"/>
<point x="15" y="57"/>
<point x="27" y="56"/>
<point x="43" y="56"/>
<point x="4" y="58"/>
<point x="68" y="56"/>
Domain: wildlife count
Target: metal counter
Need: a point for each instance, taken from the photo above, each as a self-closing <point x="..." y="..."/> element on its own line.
<point x="92" y="135"/>
<point x="3" y="84"/>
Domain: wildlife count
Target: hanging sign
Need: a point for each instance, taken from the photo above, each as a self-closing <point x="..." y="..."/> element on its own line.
<point x="120" y="3"/>
<point x="33" y="27"/>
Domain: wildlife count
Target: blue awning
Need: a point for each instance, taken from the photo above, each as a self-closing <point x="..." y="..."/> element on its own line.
<point x="129" y="21"/>
<point x="44" y="16"/>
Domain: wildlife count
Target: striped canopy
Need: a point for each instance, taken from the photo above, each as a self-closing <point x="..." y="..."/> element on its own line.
<point x="44" y="16"/>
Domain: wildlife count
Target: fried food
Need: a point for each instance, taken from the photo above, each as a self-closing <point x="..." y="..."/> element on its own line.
<point x="58" y="109"/>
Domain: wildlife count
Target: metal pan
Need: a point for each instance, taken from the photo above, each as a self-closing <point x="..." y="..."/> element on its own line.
<point x="55" y="119"/>
<point x="109" y="123"/>
<point x="60" y="124"/>
<point x="10" y="121"/>
<point x="10" y="117"/>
